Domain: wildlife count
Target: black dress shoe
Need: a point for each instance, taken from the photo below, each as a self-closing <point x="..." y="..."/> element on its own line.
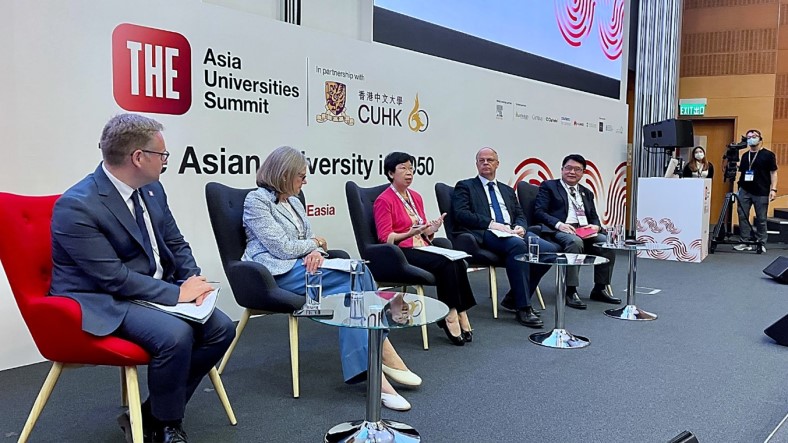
<point x="125" y="425"/>
<point x="526" y="317"/>
<point x="456" y="340"/>
<point x="604" y="296"/>
<point x="170" y="434"/>
<point x="508" y="302"/>
<point x="467" y="336"/>
<point x="573" y="301"/>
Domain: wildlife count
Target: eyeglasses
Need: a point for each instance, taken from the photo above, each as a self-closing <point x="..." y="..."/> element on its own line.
<point x="302" y="177"/>
<point x="572" y="169"/>
<point x="164" y="155"/>
<point x="405" y="168"/>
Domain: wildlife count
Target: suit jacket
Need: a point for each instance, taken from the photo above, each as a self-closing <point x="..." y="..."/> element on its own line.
<point x="552" y="204"/>
<point x="98" y="257"/>
<point x="271" y="233"/>
<point x="391" y="216"/>
<point x="471" y="209"/>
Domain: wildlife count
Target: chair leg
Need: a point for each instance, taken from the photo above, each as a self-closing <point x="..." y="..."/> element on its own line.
<point x="424" y="339"/>
<point x="238" y="330"/>
<point x="293" y="327"/>
<point x="539" y="296"/>
<point x="124" y="393"/>
<point x="135" y="405"/>
<point x="41" y="400"/>
<point x="494" y="290"/>
<point x="610" y="289"/>
<point x="219" y="386"/>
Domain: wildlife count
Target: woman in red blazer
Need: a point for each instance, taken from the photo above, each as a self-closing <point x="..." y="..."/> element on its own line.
<point x="400" y="220"/>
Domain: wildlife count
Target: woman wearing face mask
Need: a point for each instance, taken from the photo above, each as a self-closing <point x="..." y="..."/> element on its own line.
<point x="698" y="166"/>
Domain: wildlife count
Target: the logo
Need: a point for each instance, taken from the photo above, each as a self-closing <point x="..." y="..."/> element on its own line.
<point x="601" y="126"/>
<point x="537" y="118"/>
<point x="418" y="120"/>
<point x="499" y="112"/>
<point x="336" y="97"/>
<point x="620" y="130"/>
<point x="566" y="121"/>
<point x="326" y="210"/>
<point x="549" y="119"/>
<point x="151" y="70"/>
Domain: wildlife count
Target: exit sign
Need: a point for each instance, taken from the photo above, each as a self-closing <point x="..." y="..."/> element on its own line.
<point x="692" y="109"/>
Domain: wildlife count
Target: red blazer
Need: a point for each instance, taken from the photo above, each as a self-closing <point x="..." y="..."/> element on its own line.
<point x="391" y="215"/>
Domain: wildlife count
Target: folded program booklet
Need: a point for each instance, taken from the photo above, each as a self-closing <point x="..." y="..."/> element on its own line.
<point x="585" y="232"/>
<point x="451" y="254"/>
<point x="189" y="310"/>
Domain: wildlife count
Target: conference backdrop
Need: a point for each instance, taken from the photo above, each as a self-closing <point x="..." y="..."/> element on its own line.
<point x="231" y="86"/>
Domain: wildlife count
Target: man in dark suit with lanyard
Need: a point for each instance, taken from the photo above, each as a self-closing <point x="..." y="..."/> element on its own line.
<point x="484" y="206"/>
<point x="114" y="241"/>
<point x="564" y="205"/>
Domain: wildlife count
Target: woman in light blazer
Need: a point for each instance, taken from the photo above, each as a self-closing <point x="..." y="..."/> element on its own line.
<point x="279" y="236"/>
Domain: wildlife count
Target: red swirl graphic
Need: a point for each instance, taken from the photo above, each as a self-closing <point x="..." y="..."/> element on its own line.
<point x="616" y="209"/>
<point x="669" y="226"/>
<point x="533" y="171"/>
<point x="652" y="225"/>
<point x="592" y="178"/>
<point x="611" y="30"/>
<point x="575" y="19"/>
<point x="680" y="249"/>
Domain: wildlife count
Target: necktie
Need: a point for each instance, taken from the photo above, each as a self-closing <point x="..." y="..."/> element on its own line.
<point x="495" y="205"/>
<point x="138" y="214"/>
<point x="572" y="192"/>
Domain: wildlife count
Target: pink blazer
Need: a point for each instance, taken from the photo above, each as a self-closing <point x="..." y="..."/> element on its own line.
<point x="391" y="215"/>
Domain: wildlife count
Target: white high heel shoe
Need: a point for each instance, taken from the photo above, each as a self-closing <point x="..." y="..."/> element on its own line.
<point x="395" y="402"/>
<point x="403" y="377"/>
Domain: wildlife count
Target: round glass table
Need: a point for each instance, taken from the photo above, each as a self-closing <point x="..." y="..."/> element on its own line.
<point x="377" y="312"/>
<point x="559" y="337"/>
<point x="631" y="311"/>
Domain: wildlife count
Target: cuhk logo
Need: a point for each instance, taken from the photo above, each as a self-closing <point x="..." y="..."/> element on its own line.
<point x="151" y="70"/>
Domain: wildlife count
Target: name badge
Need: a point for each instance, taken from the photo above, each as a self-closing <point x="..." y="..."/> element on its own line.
<point x="582" y="220"/>
<point x="749" y="175"/>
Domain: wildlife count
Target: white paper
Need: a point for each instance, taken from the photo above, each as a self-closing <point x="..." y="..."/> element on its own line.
<point x="337" y="264"/>
<point x="451" y="254"/>
<point x="188" y="310"/>
<point x="501" y="234"/>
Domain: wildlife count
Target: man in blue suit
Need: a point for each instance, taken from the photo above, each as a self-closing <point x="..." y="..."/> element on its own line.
<point x="114" y="241"/>
<point x="481" y="205"/>
<point x="562" y="206"/>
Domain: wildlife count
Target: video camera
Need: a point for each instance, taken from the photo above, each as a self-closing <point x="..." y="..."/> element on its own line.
<point x="732" y="158"/>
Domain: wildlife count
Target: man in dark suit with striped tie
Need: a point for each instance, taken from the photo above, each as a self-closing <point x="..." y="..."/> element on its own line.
<point x="484" y="206"/>
<point x="562" y="206"/>
<point x="114" y="241"/>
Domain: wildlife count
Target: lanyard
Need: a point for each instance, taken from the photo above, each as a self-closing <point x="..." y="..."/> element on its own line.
<point x="408" y="206"/>
<point x="574" y="200"/>
<point x="751" y="158"/>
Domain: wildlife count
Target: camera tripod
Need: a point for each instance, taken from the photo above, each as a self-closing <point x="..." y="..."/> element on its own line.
<point x="723" y="230"/>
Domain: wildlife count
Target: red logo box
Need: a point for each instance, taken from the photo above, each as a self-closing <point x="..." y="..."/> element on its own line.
<point x="151" y="70"/>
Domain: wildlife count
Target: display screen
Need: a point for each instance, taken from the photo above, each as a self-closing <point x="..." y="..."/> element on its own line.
<point x="547" y="40"/>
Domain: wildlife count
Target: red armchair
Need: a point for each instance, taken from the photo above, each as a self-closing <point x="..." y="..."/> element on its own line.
<point x="55" y="323"/>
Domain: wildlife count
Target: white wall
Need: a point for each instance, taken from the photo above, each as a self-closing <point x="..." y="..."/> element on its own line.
<point x="57" y="90"/>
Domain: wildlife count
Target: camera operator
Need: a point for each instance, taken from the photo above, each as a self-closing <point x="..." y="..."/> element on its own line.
<point x="698" y="166"/>
<point x="757" y="187"/>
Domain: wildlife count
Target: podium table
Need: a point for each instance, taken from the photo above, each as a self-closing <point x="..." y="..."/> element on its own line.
<point x="674" y="212"/>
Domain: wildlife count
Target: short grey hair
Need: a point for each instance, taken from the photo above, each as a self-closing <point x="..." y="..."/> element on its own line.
<point x="125" y="133"/>
<point x="279" y="170"/>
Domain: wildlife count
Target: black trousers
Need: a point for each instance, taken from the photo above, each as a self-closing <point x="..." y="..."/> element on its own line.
<point x="451" y="277"/>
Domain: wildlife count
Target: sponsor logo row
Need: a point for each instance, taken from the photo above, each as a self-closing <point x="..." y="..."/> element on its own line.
<point x="511" y="111"/>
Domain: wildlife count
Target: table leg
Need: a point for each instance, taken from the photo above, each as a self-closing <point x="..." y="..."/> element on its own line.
<point x="373" y="429"/>
<point x="631" y="311"/>
<point x="559" y="337"/>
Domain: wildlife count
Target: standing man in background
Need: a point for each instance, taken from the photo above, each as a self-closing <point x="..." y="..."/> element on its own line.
<point x="757" y="187"/>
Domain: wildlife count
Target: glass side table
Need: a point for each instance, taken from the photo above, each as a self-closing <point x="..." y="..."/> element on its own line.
<point x="377" y="312"/>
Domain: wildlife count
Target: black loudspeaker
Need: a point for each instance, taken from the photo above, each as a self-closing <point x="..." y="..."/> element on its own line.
<point x="779" y="331"/>
<point x="684" y="437"/>
<point x="670" y="133"/>
<point x="778" y="269"/>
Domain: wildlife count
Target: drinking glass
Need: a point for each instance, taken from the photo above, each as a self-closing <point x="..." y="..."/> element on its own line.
<point x="533" y="249"/>
<point x="356" y="278"/>
<point x="314" y="289"/>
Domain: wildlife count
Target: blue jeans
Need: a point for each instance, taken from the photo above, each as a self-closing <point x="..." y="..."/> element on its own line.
<point x="353" y="342"/>
<point x="761" y="203"/>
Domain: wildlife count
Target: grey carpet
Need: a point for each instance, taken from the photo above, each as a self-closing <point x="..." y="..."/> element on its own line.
<point x="704" y="365"/>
